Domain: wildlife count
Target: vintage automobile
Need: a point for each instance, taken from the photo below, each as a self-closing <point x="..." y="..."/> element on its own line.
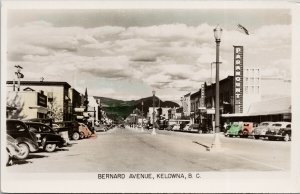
<point x="71" y="127"/>
<point x="176" y="127"/>
<point x="169" y="128"/>
<point x="241" y="129"/>
<point x="84" y="131"/>
<point x="187" y="127"/>
<point x="261" y="129"/>
<point x="27" y="141"/>
<point x="195" y="128"/>
<point x="12" y="149"/>
<point x="279" y="130"/>
<point x="47" y="139"/>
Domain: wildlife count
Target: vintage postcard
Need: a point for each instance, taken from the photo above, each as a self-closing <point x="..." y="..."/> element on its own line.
<point x="149" y="96"/>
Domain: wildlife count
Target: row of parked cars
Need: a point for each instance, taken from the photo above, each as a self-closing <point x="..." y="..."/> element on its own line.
<point x="24" y="137"/>
<point x="268" y="130"/>
<point x="187" y="127"/>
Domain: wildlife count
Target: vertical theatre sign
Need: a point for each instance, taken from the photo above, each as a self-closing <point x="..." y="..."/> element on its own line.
<point x="202" y="98"/>
<point x="238" y="79"/>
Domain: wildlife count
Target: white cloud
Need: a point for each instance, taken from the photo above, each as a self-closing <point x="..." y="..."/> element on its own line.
<point x="170" y="56"/>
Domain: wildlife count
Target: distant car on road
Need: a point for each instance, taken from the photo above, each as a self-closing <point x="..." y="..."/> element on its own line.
<point x="261" y="129"/>
<point x="279" y="130"/>
<point x="46" y="137"/>
<point x="27" y="141"/>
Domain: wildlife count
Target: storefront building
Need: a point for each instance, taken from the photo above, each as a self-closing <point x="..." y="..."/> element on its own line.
<point x="59" y="99"/>
<point x="26" y="104"/>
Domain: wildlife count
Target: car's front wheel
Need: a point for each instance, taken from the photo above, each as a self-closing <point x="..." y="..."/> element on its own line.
<point x="50" y="147"/>
<point x="256" y="137"/>
<point x="81" y="135"/>
<point x="24" y="151"/>
<point x="75" y="136"/>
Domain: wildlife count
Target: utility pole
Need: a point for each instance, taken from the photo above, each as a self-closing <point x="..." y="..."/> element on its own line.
<point x="19" y="75"/>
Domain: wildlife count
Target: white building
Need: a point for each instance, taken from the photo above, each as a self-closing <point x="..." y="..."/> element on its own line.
<point x="164" y="113"/>
<point x="252" y="87"/>
<point x="186" y="104"/>
<point x="60" y="103"/>
<point x="26" y="104"/>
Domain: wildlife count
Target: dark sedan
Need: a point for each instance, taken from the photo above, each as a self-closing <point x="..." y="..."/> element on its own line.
<point x="46" y="137"/>
<point x="26" y="139"/>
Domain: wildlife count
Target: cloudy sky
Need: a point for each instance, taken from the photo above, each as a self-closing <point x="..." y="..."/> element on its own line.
<point x="125" y="54"/>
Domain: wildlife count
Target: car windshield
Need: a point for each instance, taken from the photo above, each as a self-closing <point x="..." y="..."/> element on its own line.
<point x="264" y="124"/>
<point x="277" y="125"/>
<point x="45" y="129"/>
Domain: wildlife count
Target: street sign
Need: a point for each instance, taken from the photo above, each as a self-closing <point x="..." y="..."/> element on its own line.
<point x="78" y="109"/>
<point x="211" y="111"/>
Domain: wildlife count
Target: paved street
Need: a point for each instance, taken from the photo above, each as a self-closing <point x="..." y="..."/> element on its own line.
<point x="125" y="150"/>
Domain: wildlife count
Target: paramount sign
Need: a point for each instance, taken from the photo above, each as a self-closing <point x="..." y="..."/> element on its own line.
<point x="238" y="79"/>
<point x="202" y="99"/>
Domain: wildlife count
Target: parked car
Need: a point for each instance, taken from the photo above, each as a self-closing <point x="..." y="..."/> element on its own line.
<point x="176" y="127"/>
<point x="47" y="139"/>
<point x="12" y="149"/>
<point x="195" y="128"/>
<point x="187" y="127"/>
<point x="279" y="130"/>
<point x="182" y="125"/>
<point x="234" y="129"/>
<point x="169" y="128"/>
<point x="27" y="141"/>
<point x="261" y="129"/>
<point x="84" y="131"/>
<point x="72" y="127"/>
<point x="241" y="129"/>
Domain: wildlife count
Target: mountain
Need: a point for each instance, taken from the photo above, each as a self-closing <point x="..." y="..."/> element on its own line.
<point x="119" y="108"/>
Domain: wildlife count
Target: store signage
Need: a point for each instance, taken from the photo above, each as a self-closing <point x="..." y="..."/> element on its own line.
<point x="210" y="111"/>
<point x="41" y="100"/>
<point x="79" y="117"/>
<point x="238" y="79"/>
<point x="78" y="109"/>
<point x="202" y="99"/>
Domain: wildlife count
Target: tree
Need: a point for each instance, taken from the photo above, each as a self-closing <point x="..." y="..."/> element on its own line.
<point x="56" y="110"/>
<point x="16" y="107"/>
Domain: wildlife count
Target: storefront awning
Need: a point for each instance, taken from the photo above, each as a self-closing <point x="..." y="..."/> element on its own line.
<point x="268" y="107"/>
<point x="40" y="109"/>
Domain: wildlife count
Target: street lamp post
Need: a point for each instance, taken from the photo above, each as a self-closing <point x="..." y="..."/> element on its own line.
<point x="142" y="115"/>
<point x="217" y="143"/>
<point x="153" y="119"/>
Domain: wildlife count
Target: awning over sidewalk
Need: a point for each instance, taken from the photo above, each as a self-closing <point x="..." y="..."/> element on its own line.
<point x="268" y="107"/>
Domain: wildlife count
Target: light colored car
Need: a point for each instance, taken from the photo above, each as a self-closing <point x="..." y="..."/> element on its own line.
<point x="274" y="129"/>
<point x="84" y="131"/>
<point x="176" y="127"/>
<point x="261" y="129"/>
<point x="187" y="127"/>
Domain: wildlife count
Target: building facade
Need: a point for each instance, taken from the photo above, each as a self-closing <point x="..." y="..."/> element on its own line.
<point x="26" y="104"/>
<point x="186" y="104"/>
<point x="59" y="100"/>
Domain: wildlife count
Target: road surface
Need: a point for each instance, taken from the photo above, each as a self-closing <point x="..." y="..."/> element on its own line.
<point x="133" y="150"/>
